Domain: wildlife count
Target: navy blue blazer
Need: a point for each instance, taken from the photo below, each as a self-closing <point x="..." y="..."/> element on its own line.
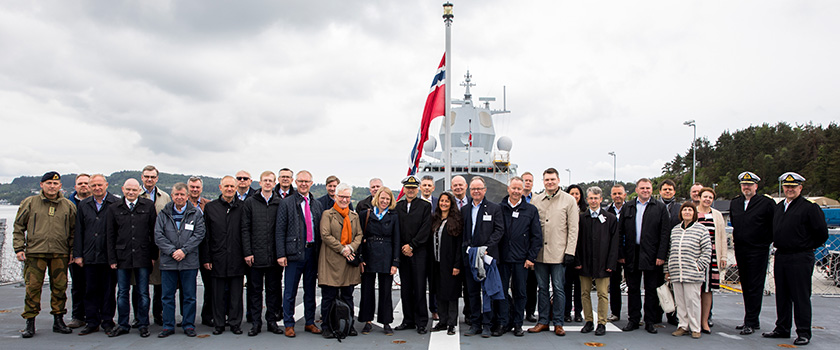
<point x="489" y="227"/>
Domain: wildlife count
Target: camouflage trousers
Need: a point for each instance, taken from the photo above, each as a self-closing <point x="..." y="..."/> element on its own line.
<point x="35" y="267"/>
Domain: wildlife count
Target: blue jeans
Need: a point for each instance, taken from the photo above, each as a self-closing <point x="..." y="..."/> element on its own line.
<point x="169" y="282"/>
<point x="557" y="302"/>
<point x="308" y="269"/>
<point x="124" y="297"/>
<point x="519" y="274"/>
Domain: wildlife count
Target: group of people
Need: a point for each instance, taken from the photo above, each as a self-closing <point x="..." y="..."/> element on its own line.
<point x="457" y="245"/>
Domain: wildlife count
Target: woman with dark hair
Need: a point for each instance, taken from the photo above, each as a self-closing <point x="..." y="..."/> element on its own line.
<point x="381" y="256"/>
<point x="572" y="275"/>
<point x="446" y="260"/>
<point x="716" y="224"/>
<point x="686" y="266"/>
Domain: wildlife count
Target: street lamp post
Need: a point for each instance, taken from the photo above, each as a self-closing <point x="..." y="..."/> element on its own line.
<point x="691" y="123"/>
<point x="447" y="143"/>
<point x="613" y="155"/>
<point x="570" y="176"/>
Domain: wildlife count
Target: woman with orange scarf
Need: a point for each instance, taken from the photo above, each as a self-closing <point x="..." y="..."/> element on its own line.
<point x="341" y="236"/>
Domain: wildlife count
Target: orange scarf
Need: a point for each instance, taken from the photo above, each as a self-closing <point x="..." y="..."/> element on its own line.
<point x="346" y="229"/>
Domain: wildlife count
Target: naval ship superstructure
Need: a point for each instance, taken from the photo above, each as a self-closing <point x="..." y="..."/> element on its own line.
<point x="473" y="135"/>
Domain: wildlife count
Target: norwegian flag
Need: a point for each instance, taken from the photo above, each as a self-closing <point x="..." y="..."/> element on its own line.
<point x="435" y="107"/>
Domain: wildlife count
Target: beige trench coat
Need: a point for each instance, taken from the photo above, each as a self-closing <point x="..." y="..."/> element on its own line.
<point x="333" y="269"/>
<point x="559" y="217"/>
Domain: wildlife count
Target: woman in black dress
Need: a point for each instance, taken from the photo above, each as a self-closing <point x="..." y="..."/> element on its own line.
<point x="572" y="285"/>
<point x="446" y="261"/>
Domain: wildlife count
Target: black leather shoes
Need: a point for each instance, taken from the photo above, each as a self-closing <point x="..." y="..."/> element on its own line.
<point x="59" y="326"/>
<point x="601" y="330"/>
<point x="218" y="330"/>
<point x="650" y="328"/>
<point x="531" y="318"/>
<point x="518" y="331"/>
<point x="404" y="326"/>
<point x="29" y="332"/>
<point x="144" y="332"/>
<point x="588" y="327"/>
<point x="236" y="330"/>
<point x="421" y="330"/>
<point x="747" y="330"/>
<point x="631" y="326"/>
<point x="165" y="333"/>
<point x="352" y="332"/>
<point x="775" y="334"/>
<point x="88" y="330"/>
<point x="118" y="331"/>
<point x="255" y="329"/>
<point x="801" y="341"/>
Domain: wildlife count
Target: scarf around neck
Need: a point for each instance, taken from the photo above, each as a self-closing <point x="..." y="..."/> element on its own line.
<point x="346" y="230"/>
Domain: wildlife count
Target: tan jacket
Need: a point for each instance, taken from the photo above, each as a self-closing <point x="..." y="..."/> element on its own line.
<point x="37" y="230"/>
<point x="559" y="217"/>
<point x="161" y="198"/>
<point x="333" y="269"/>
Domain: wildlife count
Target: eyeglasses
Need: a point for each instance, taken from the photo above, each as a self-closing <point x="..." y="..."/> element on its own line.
<point x="477" y="189"/>
<point x="303" y="181"/>
<point x="243" y="178"/>
<point x="342" y="197"/>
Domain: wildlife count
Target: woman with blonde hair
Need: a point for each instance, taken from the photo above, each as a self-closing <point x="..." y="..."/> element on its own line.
<point x="381" y="258"/>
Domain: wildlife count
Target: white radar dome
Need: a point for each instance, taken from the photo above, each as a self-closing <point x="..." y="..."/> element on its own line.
<point x="430" y="145"/>
<point x="504" y="144"/>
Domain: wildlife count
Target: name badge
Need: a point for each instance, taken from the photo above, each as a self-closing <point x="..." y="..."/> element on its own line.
<point x="602" y="218"/>
<point x="189" y="227"/>
<point x="515" y="214"/>
<point x="488" y="217"/>
<point x="708" y="216"/>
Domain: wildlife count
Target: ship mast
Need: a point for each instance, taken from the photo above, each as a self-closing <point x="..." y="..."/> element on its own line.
<point x="447" y="143"/>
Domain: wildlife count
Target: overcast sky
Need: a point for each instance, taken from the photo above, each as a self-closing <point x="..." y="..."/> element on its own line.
<point x="338" y="87"/>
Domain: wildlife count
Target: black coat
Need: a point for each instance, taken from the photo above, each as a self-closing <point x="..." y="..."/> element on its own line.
<point x="257" y="228"/>
<point x="415" y="225"/>
<point x="131" y="234"/>
<point x="277" y="191"/>
<point x="655" y="238"/>
<point x="290" y="231"/>
<point x="442" y="282"/>
<point x="222" y="244"/>
<point x="597" y="245"/>
<point x="489" y="227"/>
<point x="363" y="204"/>
<point x="523" y="234"/>
<point x="381" y="241"/>
<point x="801" y="228"/>
<point x="673" y="210"/>
<point x="752" y="228"/>
<point x="327" y="202"/>
<point x="251" y="192"/>
<point x="91" y="237"/>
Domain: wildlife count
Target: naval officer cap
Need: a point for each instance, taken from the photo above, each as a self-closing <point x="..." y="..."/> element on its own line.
<point x="52" y="175"/>
<point x="410" y="181"/>
<point x="791" y="179"/>
<point x="748" y="177"/>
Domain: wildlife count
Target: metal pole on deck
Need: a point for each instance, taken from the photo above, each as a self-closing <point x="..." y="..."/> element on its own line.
<point x="447" y="141"/>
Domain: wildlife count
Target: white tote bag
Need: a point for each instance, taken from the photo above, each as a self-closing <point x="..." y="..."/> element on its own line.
<point x="666" y="299"/>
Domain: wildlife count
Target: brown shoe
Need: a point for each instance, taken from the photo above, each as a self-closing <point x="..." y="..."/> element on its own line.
<point x="680" y="332"/>
<point x="539" y="327"/>
<point x="695" y="335"/>
<point x="76" y="323"/>
<point x="290" y="332"/>
<point x="558" y="330"/>
<point x="312" y="329"/>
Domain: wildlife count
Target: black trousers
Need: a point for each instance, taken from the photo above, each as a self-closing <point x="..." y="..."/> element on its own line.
<point x="100" y="295"/>
<point x="477" y="316"/>
<point x="367" y="304"/>
<point x="77" y="291"/>
<point x="227" y="309"/>
<point x="413" y="288"/>
<point x="752" y="270"/>
<point x="615" y="289"/>
<point x="531" y="293"/>
<point x="572" y="290"/>
<point x="448" y="312"/>
<point x="207" y="306"/>
<point x="328" y="296"/>
<point x="273" y="294"/>
<point x="634" y="278"/>
<point x="792" y="273"/>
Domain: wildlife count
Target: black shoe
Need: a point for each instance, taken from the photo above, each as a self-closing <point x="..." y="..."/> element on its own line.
<point x="190" y="332"/>
<point x="208" y="323"/>
<point x="450" y="330"/>
<point x="236" y="330"/>
<point x="578" y="318"/>
<point x="439" y="327"/>
<point x="800" y="340"/>
<point x="87" y="330"/>
<point x="518" y="331"/>
<point x="144" y="332"/>
<point x="352" y="332"/>
<point x="179" y="325"/>
<point x="387" y="329"/>
<point x="706" y="331"/>
<point x="367" y="328"/>
<point x="588" y="327"/>
<point x="327" y="333"/>
<point x="531" y="318"/>
<point x="165" y="333"/>
<point x="269" y="326"/>
<point x="404" y="326"/>
<point x="672" y="319"/>
<point x="775" y="334"/>
<point x="218" y="330"/>
<point x="485" y="333"/>
<point x="255" y="329"/>
<point x="741" y="326"/>
<point x="601" y="330"/>
<point x="711" y="324"/>
<point x="135" y="324"/>
<point x="108" y="328"/>
<point x="468" y="321"/>
<point x="59" y="326"/>
<point x="567" y="319"/>
<point x="29" y="332"/>
<point x="118" y="331"/>
<point x="747" y="330"/>
<point x="631" y="326"/>
<point x="421" y="330"/>
<point x="650" y="328"/>
<point x="498" y="332"/>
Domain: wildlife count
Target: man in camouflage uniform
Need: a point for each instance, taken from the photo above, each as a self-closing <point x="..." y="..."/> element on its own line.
<point x="43" y="236"/>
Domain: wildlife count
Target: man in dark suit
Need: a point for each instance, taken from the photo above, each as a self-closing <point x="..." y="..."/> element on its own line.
<point x="752" y="234"/>
<point x="618" y="195"/>
<point x="243" y="185"/>
<point x="415" y="217"/>
<point x="284" y="186"/>
<point x="427" y="186"/>
<point x="644" y="231"/>
<point x="483" y="227"/>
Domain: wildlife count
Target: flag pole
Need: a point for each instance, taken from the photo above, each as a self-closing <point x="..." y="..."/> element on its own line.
<point x="447" y="141"/>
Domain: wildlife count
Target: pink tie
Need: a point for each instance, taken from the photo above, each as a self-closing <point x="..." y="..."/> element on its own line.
<point x="307" y="215"/>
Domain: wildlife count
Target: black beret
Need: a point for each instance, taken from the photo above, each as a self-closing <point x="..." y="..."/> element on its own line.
<point x="52" y="175"/>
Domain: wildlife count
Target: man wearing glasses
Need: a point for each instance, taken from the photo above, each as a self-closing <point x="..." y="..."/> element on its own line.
<point x="284" y="183"/>
<point x="161" y="199"/>
<point x="243" y="185"/>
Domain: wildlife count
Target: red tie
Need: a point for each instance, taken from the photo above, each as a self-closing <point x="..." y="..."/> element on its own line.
<point x="307" y="215"/>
